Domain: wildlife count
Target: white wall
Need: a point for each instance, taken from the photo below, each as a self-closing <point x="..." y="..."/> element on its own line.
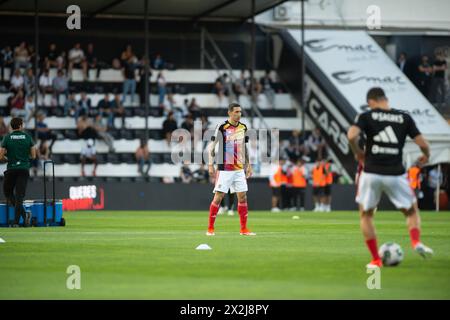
<point x="409" y="14"/>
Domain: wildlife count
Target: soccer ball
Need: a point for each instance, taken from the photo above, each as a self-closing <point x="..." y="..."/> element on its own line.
<point x="391" y="253"/>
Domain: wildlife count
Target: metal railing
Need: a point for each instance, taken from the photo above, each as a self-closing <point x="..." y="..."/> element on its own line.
<point x="205" y="35"/>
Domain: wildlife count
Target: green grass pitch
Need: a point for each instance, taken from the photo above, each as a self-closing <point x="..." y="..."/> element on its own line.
<point x="151" y="255"/>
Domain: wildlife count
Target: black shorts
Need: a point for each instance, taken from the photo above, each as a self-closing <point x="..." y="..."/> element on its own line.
<point x="276" y="191"/>
<point x="318" y="191"/>
<point x="327" y="190"/>
<point x="87" y="160"/>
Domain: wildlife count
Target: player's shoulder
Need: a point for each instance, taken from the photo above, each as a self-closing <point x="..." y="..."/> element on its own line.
<point x="243" y="125"/>
<point x="363" y="115"/>
<point x="405" y="114"/>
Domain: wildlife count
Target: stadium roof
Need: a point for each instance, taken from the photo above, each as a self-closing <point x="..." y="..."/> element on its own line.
<point x="193" y="10"/>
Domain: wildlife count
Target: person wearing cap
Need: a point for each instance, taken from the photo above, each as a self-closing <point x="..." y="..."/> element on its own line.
<point x="17" y="148"/>
<point x="88" y="156"/>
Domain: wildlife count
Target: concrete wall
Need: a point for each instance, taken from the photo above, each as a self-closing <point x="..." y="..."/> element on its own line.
<point x="412" y="14"/>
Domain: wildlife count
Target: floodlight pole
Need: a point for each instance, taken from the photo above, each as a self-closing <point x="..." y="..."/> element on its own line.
<point x="146" y="66"/>
<point x="252" y="64"/>
<point x="36" y="60"/>
<point x="303" y="71"/>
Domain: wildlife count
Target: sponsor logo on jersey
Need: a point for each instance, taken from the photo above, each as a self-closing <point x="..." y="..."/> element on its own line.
<point x="16" y="137"/>
<point x="387" y="135"/>
<point x="376" y="149"/>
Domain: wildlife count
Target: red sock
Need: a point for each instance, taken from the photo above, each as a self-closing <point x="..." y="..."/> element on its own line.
<point x="213" y="209"/>
<point x="243" y="213"/>
<point x="373" y="248"/>
<point x="414" y="234"/>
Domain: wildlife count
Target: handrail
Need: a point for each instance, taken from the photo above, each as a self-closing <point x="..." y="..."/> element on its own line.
<point x="227" y="65"/>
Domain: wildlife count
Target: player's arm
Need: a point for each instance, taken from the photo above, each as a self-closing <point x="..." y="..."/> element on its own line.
<point x="248" y="167"/>
<point x="416" y="135"/>
<point x="424" y="147"/>
<point x="353" y="140"/>
<point x="33" y="152"/>
<point x="3" y="154"/>
<point x="211" y="154"/>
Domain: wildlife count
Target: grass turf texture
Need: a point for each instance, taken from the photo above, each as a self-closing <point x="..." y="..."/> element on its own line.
<point x="151" y="255"/>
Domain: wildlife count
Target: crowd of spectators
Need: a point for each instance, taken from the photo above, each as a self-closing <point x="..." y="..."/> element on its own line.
<point x="94" y="121"/>
<point x="245" y="86"/>
<point x="429" y="76"/>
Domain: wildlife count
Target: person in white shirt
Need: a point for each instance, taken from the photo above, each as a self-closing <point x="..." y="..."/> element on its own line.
<point x="77" y="60"/>
<point x="45" y="84"/>
<point x="30" y="107"/>
<point x="88" y="155"/>
<point x="16" y="81"/>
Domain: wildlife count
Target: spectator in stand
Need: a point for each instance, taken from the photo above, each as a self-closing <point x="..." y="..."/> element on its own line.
<point x="425" y="76"/>
<point x="84" y="106"/>
<point x="221" y="87"/>
<point x="101" y="126"/>
<point x="62" y="60"/>
<point x="317" y="145"/>
<point x="239" y="86"/>
<point x="205" y="122"/>
<point x="91" y="61"/>
<point x="188" y="124"/>
<point x="45" y="84"/>
<point x="116" y="64"/>
<point x="43" y="154"/>
<point x="169" y="125"/>
<point x="201" y="175"/>
<point x="158" y="63"/>
<point x="104" y="107"/>
<point x="142" y="82"/>
<point x="6" y="61"/>
<point x="29" y="82"/>
<point x="266" y="83"/>
<point x="3" y="128"/>
<point x="257" y="88"/>
<point x="118" y="110"/>
<point x="296" y="139"/>
<point x="186" y="173"/>
<point x="60" y="86"/>
<point x="17" y="105"/>
<point x="77" y="60"/>
<point x="127" y="54"/>
<point x="85" y="128"/>
<point x="51" y="58"/>
<point x="88" y="156"/>
<point x="129" y="74"/>
<point x="194" y="109"/>
<point x="401" y="62"/>
<point x="142" y="155"/>
<point x="161" y="89"/>
<point x="21" y="56"/>
<point x="16" y="81"/>
<point x="248" y="82"/>
<point x="30" y="108"/>
<point x="43" y="131"/>
<point x="31" y="56"/>
<point x="438" y="83"/>
<point x="70" y="106"/>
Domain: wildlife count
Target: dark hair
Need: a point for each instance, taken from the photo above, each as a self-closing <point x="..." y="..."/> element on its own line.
<point x="376" y="94"/>
<point x="16" y="123"/>
<point x="233" y="105"/>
